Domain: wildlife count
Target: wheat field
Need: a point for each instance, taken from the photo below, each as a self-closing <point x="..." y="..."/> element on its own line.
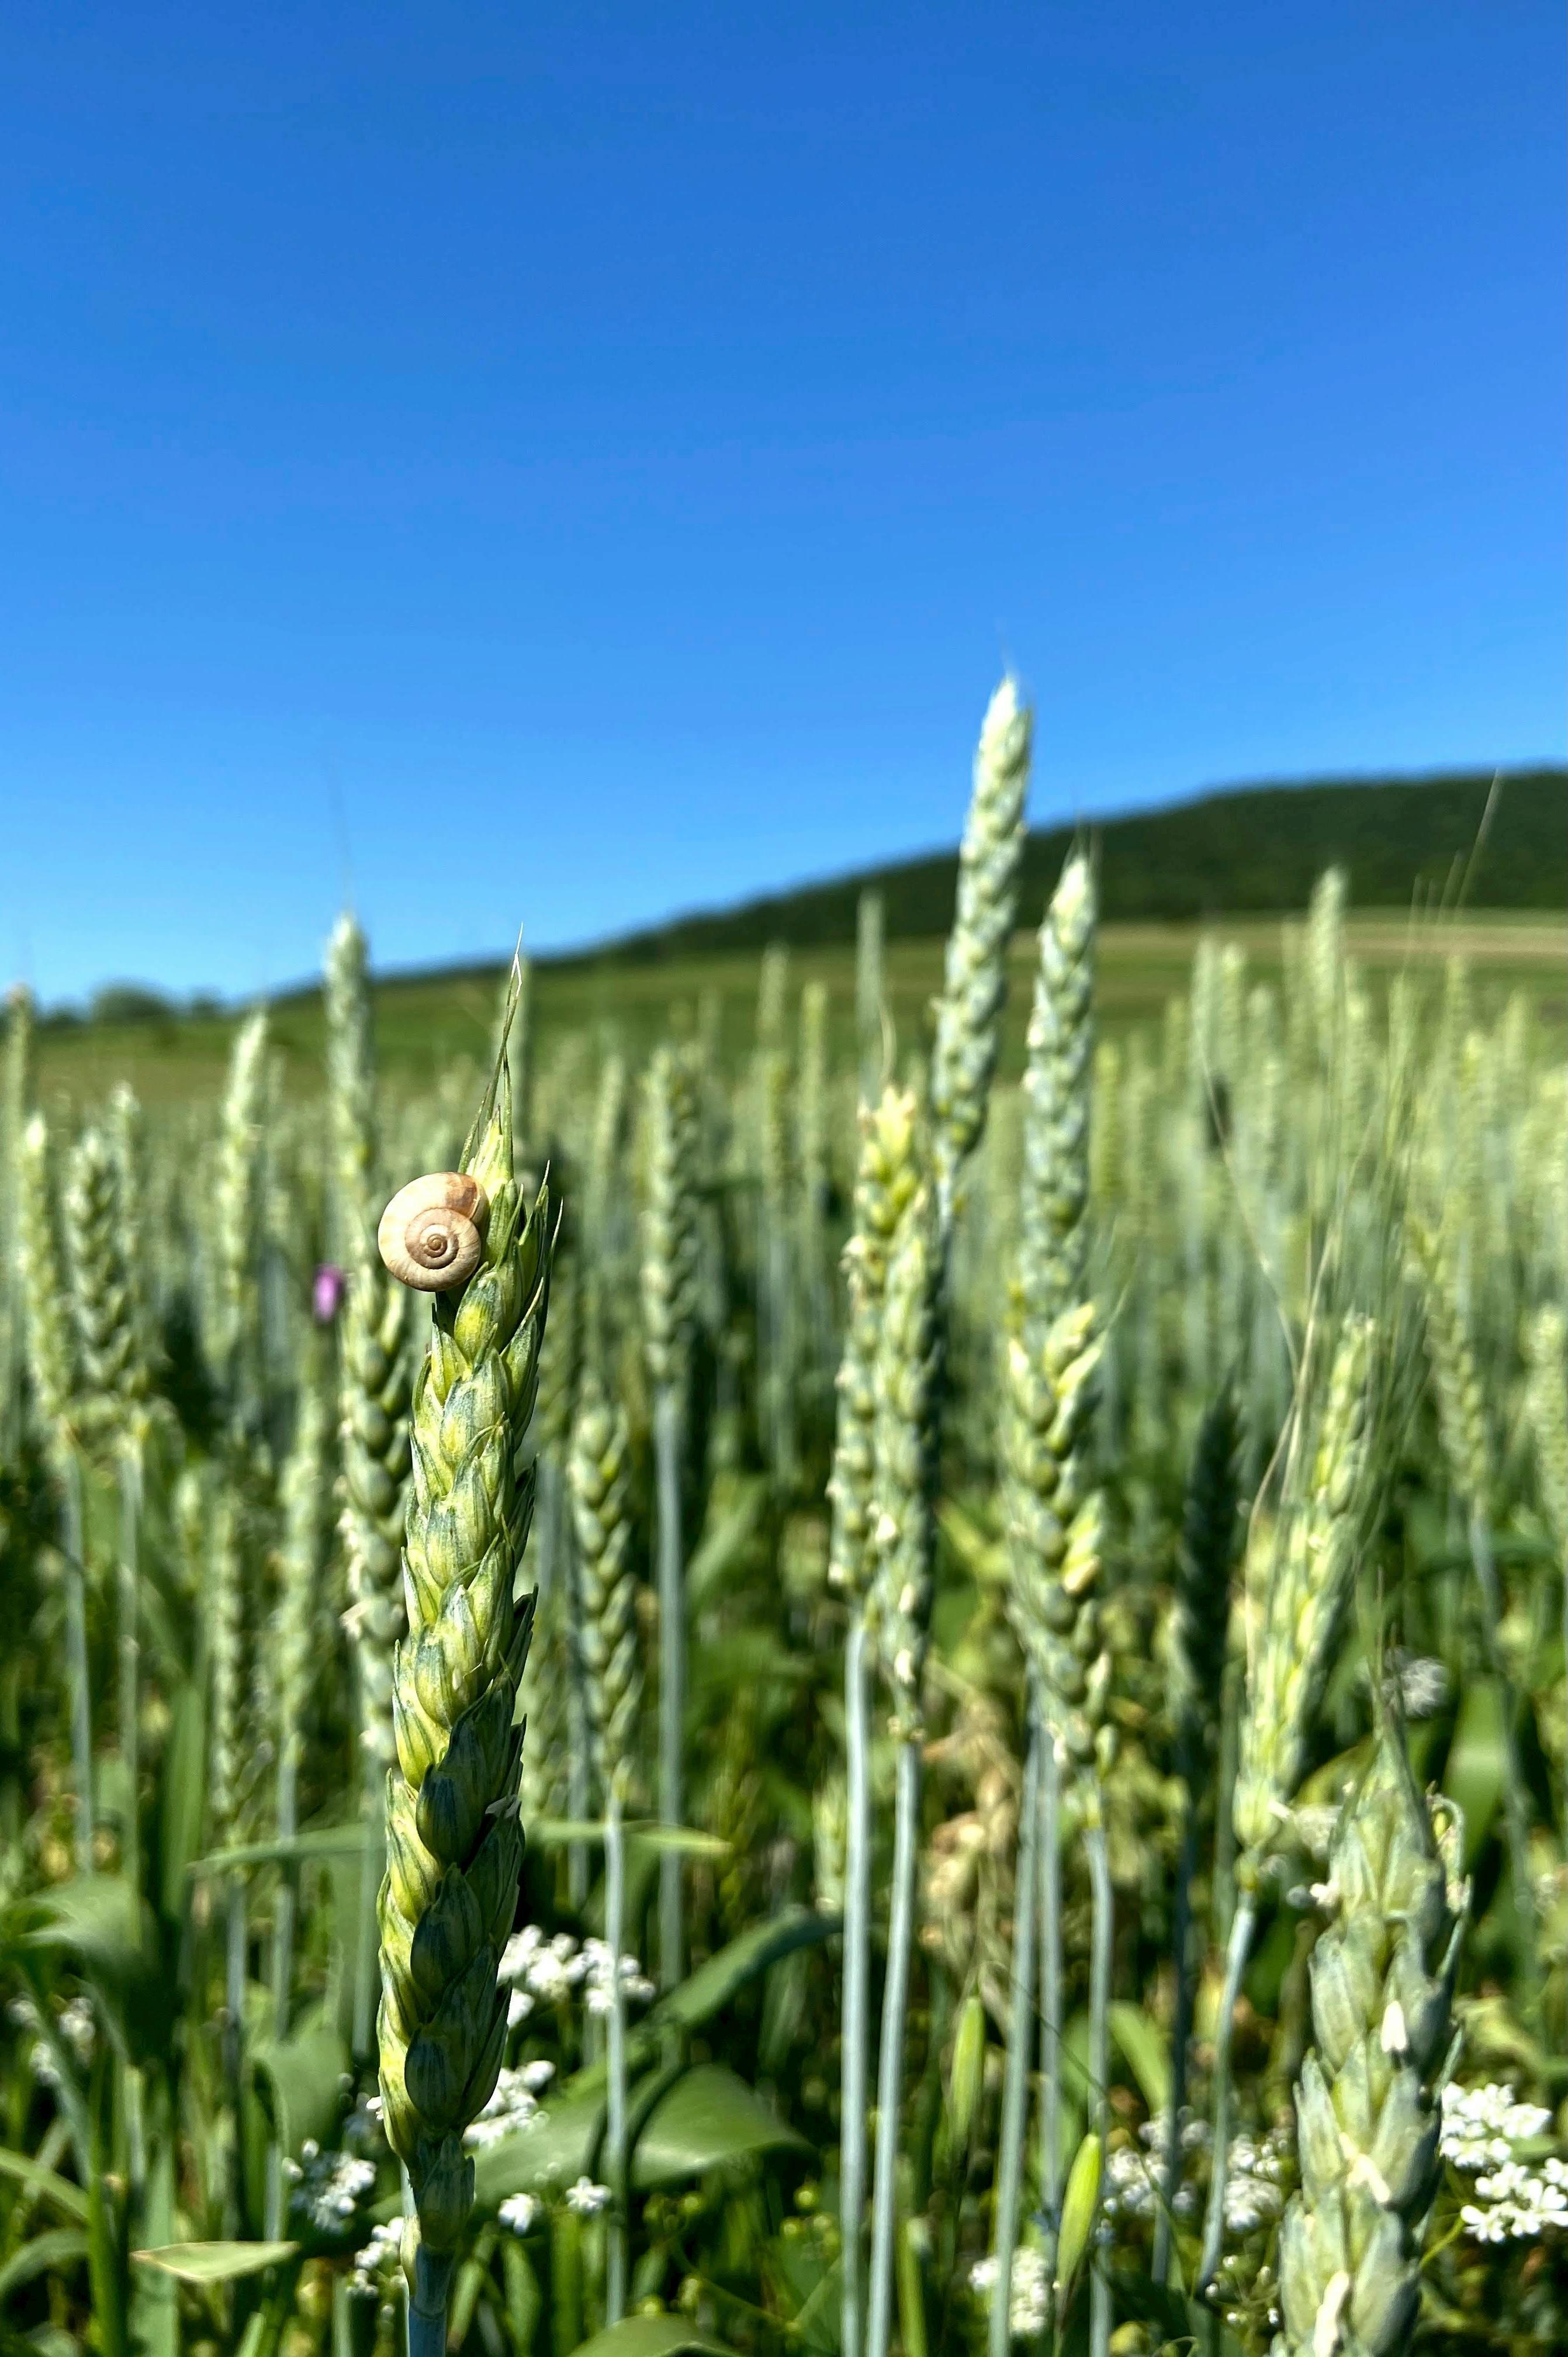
<point x="888" y="1675"/>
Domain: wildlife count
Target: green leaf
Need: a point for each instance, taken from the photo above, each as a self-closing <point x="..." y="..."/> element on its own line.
<point x="709" y="2116"/>
<point x="714" y="1985"/>
<point x="213" y="2262"/>
<point x="324" y="1841"/>
<point x="1144" y="2051"/>
<point x="184" y="1782"/>
<point x="1474" y="1770"/>
<point x="112" y="1934"/>
<point x="652" y="2336"/>
<point x="554" y="1832"/>
<point x="302" y="2078"/>
<point x="44" y="2185"/>
<point x="97" y="1917"/>
<point x="1079" y="2205"/>
<point x="721" y="1548"/>
<point x="55" y="2252"/>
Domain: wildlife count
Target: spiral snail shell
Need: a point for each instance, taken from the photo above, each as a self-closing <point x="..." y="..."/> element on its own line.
<point x="433" y="1232"/>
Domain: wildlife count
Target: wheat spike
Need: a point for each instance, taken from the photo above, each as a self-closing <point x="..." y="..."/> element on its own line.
<point x="1367" y="2121"/>
<point x="455" y="1845"/>
<point x="969" y="1011"/>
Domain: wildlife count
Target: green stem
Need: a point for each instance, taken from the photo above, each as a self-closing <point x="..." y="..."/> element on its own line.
<point x="427" y="2303"/>
<point x="618" y="2224"/>
<point x="890" y="2057"/>
<point x="367" y="1947"/>
<point x="1048" y="1868"/>
<point x="1223" y="1901"/>
<point x="1242" y="1927"/>
<point x="1020" y="2043"/>
<point x="855" y="2039"/>
<point x="1101" y="1929"/>
<point x="1516" y="1816"/>
<point x="284" y="1904"/>
<point x="234" y="2044"/>
<point x="672" y="1671"/>
<point x="912" y="2287"/>
<point x="77" y="1678"/>
<point x="566" y="2283"/>
<point x="129" y="1648"/>
<point x="1181" y="2038"/>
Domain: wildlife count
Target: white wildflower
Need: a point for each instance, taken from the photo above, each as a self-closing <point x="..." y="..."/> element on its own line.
<point x="377" y="2266"/>
<point x="329" y="2187"/>
<point x="519" y="2214"/>
<point x="1482" y="2125"/>
<point x="511" y="2106"/>
<point x="635" y="1986"/>
<point x="587" y="2198"/>
<point x="1030" y="2302"/>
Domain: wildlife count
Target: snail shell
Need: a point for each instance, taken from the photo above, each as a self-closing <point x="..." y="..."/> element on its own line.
<point x="432" y="1233"/>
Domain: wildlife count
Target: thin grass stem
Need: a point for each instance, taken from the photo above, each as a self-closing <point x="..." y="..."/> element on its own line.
<point x="890" y="2056"/>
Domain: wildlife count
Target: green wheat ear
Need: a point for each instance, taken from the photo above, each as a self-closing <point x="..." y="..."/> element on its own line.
<point x="454" y="1842"/>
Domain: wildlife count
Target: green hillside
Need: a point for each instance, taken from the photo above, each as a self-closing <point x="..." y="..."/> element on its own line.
<point x="1254" y="849"/>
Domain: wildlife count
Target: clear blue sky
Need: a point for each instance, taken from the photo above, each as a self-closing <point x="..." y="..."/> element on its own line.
<point x="557" y="464"/>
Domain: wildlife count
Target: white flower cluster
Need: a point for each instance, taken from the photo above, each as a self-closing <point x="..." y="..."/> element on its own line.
<point x="513" y="2105"/>
<point x="1029" y="2304"/>
<point x="519" y="2214"/>
<point x="1481" y="2127"/>
<point x="377" y="2266"/>
<point x="602" y="1972"/>
<point x="328" y="2186"/>
<point x="545" y="1972"/>
<point x="539" y="1971"/>
<point x="1134" y="2179"/>
<point x="1254" y="2181"/>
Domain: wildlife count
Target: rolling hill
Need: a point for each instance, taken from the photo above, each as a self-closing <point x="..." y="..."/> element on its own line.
<point x="1252" y="849"/>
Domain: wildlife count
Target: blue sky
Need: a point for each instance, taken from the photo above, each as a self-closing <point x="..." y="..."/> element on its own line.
<point x="551" y="465"/>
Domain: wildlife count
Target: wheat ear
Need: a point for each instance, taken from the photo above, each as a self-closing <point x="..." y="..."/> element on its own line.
<point x="1311" y="1568"/>
<point x="1367" y="2119"/>
<point x="52" y="1360"/>
<point x="455" y="1845"/>
<point x="969" y="1011"/>
<point x="1465" y="1437"/>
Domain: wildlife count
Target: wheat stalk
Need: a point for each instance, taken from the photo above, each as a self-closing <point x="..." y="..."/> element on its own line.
<point x="668" y="1279"/>
<point x="904" y="1544"/>
<point x="885" y="1182"/>
<point x="1200" y="1619"/>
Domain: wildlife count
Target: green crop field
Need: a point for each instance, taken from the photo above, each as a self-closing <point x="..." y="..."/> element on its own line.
<point x="886" y="1673"/>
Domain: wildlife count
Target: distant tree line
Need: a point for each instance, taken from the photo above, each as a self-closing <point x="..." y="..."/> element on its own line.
<point x="1247" y="851"/>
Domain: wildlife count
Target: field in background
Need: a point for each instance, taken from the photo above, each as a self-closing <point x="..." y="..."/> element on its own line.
<point x="424" y="1022"/>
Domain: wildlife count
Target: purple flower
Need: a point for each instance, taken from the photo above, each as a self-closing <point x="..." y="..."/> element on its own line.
<point x="327" y="1293"/>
